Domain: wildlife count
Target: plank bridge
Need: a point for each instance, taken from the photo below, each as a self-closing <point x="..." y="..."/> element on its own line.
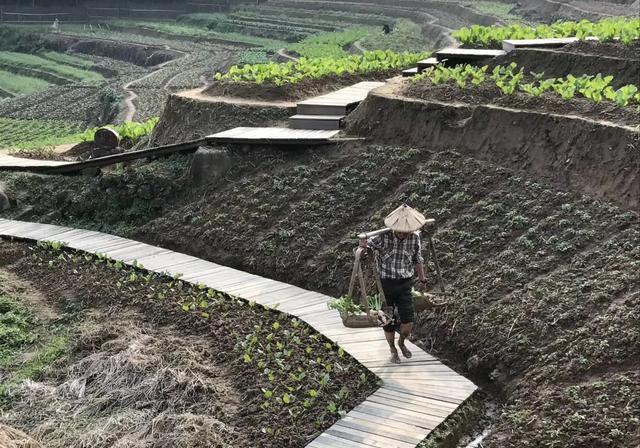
<point x="415" y="397"/>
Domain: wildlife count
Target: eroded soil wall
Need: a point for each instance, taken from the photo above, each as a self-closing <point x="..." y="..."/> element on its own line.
<point x="189" y="119"/>
<point x="595" y="158"/>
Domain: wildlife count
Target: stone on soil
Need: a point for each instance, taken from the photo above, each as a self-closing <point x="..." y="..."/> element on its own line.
<point x="209" y="165"/>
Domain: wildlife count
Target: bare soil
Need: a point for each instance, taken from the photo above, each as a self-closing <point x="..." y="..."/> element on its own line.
<point x="187" y="118"/>
<point x="157" y="376"/>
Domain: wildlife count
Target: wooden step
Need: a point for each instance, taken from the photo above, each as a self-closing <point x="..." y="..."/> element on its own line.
<point x="410" y="72"/>
<point x="322" y="109"/>
<point x="453" y="56"/>
<point x="426" y="63"/>
<point x="513" y="44"/>
<point x="325" y="122"/>
<point x="340" y="102"/>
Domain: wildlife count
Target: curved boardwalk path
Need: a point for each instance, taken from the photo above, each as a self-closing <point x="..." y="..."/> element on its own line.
<point x="415" y="396"/>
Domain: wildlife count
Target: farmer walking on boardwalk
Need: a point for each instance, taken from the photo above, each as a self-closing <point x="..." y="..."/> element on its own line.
<point x="398" y="257"/>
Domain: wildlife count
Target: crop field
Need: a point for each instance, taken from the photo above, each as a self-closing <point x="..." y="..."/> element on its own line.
<point x="25" y="134"/>
<point x="14" y="85"/>
<point x="317" y="68"/>
<point x="511" y="79"/>
<point x="41" y="64"/>
<point x="625" y="29"/>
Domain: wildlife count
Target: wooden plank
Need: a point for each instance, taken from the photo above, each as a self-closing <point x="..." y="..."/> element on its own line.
<point x="468" y="53"/>
<point x="415" y="418"/>
<point x="414" y="397"/>
<point x="198" y="275"/>
<point x="428" y="392"/>
<point x="411" y="405"/>
<point x="273" y="135"/>
<point x="348" y="421"/>
<point x="513" y="44"/>
<point x="172" y="264"/>
<point x="328" y="441"/>
<point x="373" y="440"/>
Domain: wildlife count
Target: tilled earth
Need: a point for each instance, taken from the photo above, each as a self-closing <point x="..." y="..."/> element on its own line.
<point x="544" y="284"/>
<point x="140" y="371"/>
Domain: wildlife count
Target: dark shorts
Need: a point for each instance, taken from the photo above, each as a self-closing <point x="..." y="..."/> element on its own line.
<point x="397" y="292"/>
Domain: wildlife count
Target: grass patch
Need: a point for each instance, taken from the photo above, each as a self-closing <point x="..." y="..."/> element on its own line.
<point x="21" y="85"/>
<point x="67" y="59"/>
<point x="330" y="45"/>
<point x="31" y="134"/>
<point x="500" y="10"/>
<point x="29" y="61"/>
<point x="405" y="36"/>
<point x="20" y="331"/>
<point x="16" y="324"/>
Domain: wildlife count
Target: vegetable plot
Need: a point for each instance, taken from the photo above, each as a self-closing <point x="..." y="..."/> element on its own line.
<point x="509" y="80"/>
<point x="306" y="68"/>
<point x="31" y="62"/>
<point x="625" y="29"/>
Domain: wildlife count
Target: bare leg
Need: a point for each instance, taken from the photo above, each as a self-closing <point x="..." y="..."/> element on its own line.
<point x="391" y="339"/>
<point x="405" y="331"/>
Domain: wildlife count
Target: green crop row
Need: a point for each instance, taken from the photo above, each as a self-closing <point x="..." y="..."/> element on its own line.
<point x="625" y="29"/>
<point x="37" y="134"/>
<point x="17" y="84"/>
<point x="33" y="62"/>
<point x="67" y="59"/>
<point x="313" y="68"/>
<point x="509" y="80"/>
<point x="329" y="44"/>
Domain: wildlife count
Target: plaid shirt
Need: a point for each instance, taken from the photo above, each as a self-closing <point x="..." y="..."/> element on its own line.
<point x="396" y="258"/>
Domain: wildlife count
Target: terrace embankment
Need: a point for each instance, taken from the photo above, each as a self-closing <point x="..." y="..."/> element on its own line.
<point x="144" y="55"/>
<point x="582" y="58"/>
<point x="303" y="89"/>
<point x="592" y="157"/>
<point x="193" y="114"/>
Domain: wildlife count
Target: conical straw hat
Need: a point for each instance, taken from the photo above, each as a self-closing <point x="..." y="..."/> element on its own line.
<point x="405" y="219"/>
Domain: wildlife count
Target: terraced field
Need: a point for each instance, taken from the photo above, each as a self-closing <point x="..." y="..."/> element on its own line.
<point x="528" y="172"/>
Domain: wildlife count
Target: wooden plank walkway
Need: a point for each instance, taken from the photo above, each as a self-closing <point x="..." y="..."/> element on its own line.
<point x="416" y="395"/>
<point x="338" y="102"/>
<point x="273" y="136"/>
<point x="7" y="161"/>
